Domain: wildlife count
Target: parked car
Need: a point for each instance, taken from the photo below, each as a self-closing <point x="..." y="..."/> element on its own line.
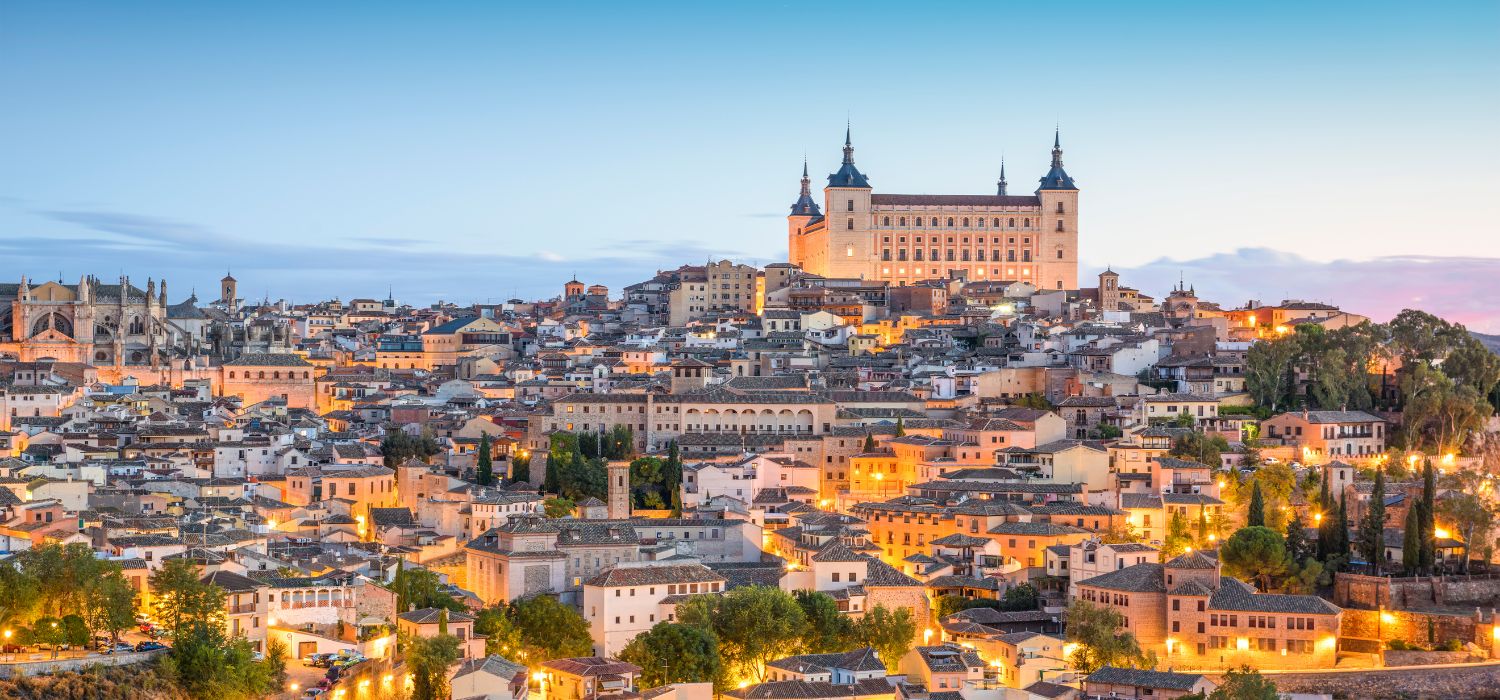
<point x="121" y="648"/>
<point x="313" y="692"/>
<point x="149" y="646"/>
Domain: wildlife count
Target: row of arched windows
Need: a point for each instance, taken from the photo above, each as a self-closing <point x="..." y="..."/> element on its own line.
<point x="1010" y="222"/>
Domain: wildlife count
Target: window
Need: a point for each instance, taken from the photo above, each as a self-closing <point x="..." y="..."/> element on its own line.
<point x="1059" y="254"/>
<point x="886" y="221"/>
<point x="1059" y="207"/>
<point x="851" y="224"/>
<point x="1060" y="225"/>
<point x="950" y="222"/>
<point x="851" y="205"/>
<point x="903" y="221"/>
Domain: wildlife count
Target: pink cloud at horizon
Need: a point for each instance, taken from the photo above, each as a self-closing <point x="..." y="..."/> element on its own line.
<point x="1461" y="289"/>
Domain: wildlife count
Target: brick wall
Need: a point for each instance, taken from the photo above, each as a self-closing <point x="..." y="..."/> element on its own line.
<point x="1358" y="591"/>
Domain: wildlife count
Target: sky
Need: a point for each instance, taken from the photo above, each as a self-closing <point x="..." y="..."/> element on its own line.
<point x="1343" y="152"/>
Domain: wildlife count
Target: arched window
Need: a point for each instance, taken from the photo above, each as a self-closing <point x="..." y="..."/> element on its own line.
<point x="997" y="222"/>
<point x="903" y="221"/>
<point x="981" y="222"/>
<point x="1028" y="222"/>
<point x="275" y="375"/>
<point x="304" y="375"/>
<point x="966" y="222"/>
<point x="1012" y="222"/>
<point x="886" y="221"/>
<point x="950" y="222"/>
<point x="231" y="374"/>
<point x="261" y="375"/>
<point x="919" y="221"/>
<point x="934" y="221"/>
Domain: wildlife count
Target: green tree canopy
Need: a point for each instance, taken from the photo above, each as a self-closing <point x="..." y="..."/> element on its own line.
<point x="673" y="652"/>
<point x="1255" y="553"/>
<point x="889" y="632"/>
<point x="754" y="625"/>
<point x="1098" y="632"/>
<point x="550" y="629"/>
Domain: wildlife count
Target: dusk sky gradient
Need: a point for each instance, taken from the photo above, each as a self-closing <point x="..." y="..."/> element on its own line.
<point x="470" y="151"/>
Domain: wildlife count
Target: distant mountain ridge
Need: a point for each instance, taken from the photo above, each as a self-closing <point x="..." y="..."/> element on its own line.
<point x="1490" y="341"/>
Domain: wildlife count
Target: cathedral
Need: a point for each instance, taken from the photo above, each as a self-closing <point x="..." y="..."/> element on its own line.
<point x="906" y="238"/>
<point x="122" y="325"/>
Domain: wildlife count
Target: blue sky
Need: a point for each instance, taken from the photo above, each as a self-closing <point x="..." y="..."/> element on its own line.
<point x="471" y="151"/>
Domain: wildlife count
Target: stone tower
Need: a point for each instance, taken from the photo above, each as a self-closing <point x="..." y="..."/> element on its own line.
<point x="228" y="292"/>
<point x="1109" y="290"/>
<point x="619" y="489"/>
<point x="1058" y="244"/>
<point x="847" y="215"/>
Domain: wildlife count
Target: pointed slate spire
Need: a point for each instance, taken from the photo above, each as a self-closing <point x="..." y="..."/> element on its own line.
<point x="848" y="175"/>
<point x="805" y="205"/>
<point x="1000" y="186"/>
<point x="1057" y="178"/>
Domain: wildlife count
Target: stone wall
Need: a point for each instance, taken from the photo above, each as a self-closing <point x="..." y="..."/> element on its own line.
<point x="32" y="668"/>
<point x="1426" y="629"/>
<point x="1359" y="591"/>
<point x="1421" y="658"/>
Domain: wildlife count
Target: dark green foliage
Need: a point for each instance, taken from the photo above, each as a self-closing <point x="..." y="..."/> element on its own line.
<point x="1411" y="542"/>
<point x="1256" y="515"/>
<point x="674" y="652"/>
<point x="1255" y="552"/>
<point x="1372" y="529"/>
<point x="485" y="472"/>
<point x="520" y="468"/>
<point x="1429" y="513"/>
<point x="399" y="446"/>
<point x="828" y="630"/>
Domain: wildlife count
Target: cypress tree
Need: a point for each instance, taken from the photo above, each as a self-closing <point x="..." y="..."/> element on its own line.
<point x="1257" y="515"/>
<point x="1202" y="526"/>
<point x="869" y="443"/>
<point x="900" y="427"/>
<point x="486" y="472"/>
<point x="1341" y="536"/>
<point x="1372" y="529"/>
<point x="1411" y="540"/>
<point x="1297" y="546"/>
<point x="1325" y="526"/>
<point x="1429" y="492"/>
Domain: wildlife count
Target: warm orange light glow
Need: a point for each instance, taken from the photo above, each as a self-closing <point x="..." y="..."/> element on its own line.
<point x="1242" y="643"/>
<point x="1387" y="617"/>
<point x="1317" y="517"/>
<point x="1441" y="533"/>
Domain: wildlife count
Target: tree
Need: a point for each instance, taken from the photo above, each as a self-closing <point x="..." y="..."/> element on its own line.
<point x="869" y="445"/>
<point x="1411" y="540"/>
<point x="20" y="594"/>
<point x="558" y="507"/>
<point x="1471" y="516"/>
<point x="1097" y="631"/>
<point x="1297" y="546"/>
<point x="427" y="660"/>
<point x="276" y="654"/>
<point x="110" y="604"/>
<point x="889" y="633"/>
<point x="1256" y="516"/>
<point x="422" y="588"/>
<point x="183" y="602"/>
<point x="900" y="426"/>
<point x="49" y="631"/>
<point x="550" y="629"/>
<point x="1268" y="371"/>
<point x="1243" y="684"/>
<point x="520" y="467"/>
<point x="1255" y="552"/>
<point x="648" y="482"/>
<point x="501" y="636"/>
<point x="1022" y="596"/>
<point x="1429" y="512"/>
<point x="562" y="451"/>
<point x="75" y="631"/>
<point x="828" y="630"/>
<point x="1372" y="529"/>
<point x="1197" y="447"/>
<point x="399" y="446"/>
<point x="584" y="478"/>
<point x="485" y="474"/>
<point x="1179" y="536"/>
<point x="754" y="625"/>
<point x="672" y="652"/>
<point x="1341" y="532"/>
